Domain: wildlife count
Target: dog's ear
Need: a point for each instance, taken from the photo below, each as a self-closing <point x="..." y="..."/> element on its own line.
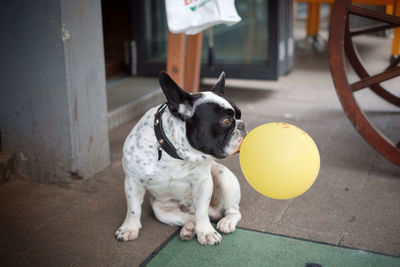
<point x="180" y="103"/>
<point x="219" y="85"/>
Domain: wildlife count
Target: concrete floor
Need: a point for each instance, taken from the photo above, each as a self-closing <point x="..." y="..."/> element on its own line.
<point x="354" y="202"/>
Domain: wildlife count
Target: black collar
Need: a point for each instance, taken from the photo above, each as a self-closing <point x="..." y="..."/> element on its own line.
<point x="162" y="140"/>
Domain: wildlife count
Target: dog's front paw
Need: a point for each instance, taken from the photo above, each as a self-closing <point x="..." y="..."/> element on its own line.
<point x="125" y="234"/>
<point x="208" y="236"/>
<point x="228" y="223"/>
<point x="187" y="231"/>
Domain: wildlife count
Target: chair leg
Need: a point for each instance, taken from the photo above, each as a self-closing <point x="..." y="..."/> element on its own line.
<point x="396" y="32"/>
<point x="193" y="63"/>
<point x="184" y="61"/>
<point x="313" y="19"/>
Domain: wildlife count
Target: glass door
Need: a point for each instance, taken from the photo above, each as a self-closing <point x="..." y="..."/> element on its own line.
<point x="247" y="49"/>
<point x="150" y="35"/>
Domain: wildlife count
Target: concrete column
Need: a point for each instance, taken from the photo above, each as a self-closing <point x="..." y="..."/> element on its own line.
<point x="53" y="111"/>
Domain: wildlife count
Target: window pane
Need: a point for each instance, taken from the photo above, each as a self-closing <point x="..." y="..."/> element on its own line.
<point x="155" y="31"/>
<point x="246" y="42"/>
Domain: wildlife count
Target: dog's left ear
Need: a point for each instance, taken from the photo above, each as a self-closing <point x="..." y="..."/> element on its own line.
<point x="180" y="103"/>
<point x="219" y="85"/>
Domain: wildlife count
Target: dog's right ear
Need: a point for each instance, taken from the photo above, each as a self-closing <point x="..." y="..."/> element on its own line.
<point x="180" y="103"/>
<point x="219" y="85"/>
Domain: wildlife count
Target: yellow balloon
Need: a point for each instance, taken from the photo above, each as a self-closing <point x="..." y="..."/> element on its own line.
<point x="279" y="160"/>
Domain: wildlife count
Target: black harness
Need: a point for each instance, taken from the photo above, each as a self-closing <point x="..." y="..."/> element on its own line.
<point x="162" y="140"/>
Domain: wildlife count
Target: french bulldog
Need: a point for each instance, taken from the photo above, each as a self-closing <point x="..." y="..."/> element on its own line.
<point x="171" y="153"/>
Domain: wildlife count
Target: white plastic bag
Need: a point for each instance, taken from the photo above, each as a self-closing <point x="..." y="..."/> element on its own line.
<point x="194" y="16"/>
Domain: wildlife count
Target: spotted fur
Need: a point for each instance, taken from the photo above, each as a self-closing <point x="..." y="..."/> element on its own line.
<point x="181" y="190"/>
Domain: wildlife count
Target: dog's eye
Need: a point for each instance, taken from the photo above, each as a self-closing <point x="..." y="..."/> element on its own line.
<point x="227" y="121"/>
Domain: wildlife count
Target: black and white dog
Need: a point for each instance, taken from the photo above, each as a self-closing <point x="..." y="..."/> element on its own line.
<point x="171" y="153"/>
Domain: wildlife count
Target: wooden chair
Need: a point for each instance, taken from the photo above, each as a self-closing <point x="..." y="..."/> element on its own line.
<point x="341" y="45"/>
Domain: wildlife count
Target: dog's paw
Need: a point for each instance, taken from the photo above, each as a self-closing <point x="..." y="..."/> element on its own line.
<point x="125" y="234"/>
<point x="187" y="231"/>
<point x="211" y="238"/>
<point x="208" y="236"/>
<point x="227" y="224"/>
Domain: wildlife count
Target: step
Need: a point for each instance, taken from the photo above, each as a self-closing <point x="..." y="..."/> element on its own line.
<point x="129" y="98"/>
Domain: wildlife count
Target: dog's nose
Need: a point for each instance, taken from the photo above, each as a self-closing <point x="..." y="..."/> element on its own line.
<point x="241" y="127"/>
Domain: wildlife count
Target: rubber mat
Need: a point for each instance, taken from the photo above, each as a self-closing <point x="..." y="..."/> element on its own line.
<point x="253" y="248"/>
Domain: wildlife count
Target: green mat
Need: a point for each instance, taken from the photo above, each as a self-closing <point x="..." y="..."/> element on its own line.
<point x="253" y="248"/>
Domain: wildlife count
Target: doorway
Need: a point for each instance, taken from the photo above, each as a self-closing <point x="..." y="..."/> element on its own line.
<point x="117" y="31"/>
<point x="128" y="95"/>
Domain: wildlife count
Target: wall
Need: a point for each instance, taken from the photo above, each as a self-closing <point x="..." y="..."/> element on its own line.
<point x="53" y="111"/>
